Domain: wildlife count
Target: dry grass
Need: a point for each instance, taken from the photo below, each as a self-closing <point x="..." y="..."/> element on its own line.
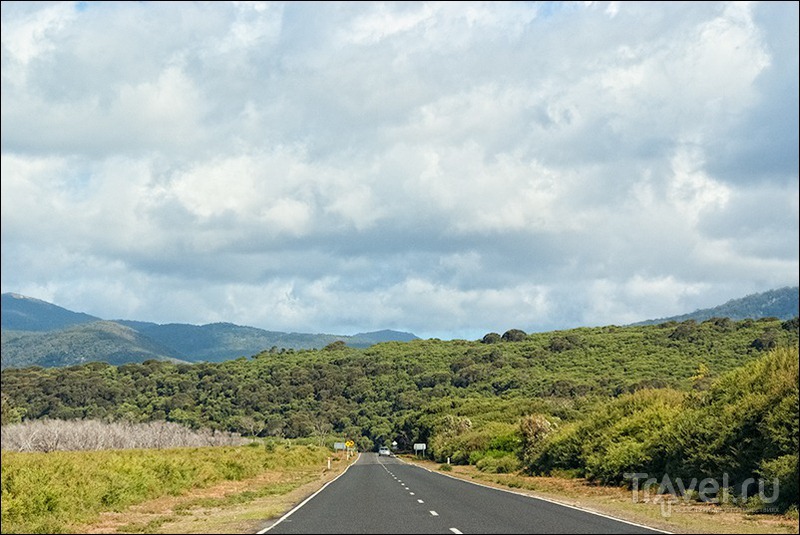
<point x="232" y="507"/>
<point x="618" y="503"/>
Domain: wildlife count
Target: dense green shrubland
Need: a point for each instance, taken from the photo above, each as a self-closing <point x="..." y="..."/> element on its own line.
<point x="371" y="392"/>
<point x="745" y="425"/>
<point x="597" y="402"/>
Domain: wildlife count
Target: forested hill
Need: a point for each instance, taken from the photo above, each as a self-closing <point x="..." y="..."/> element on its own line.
<point x="103" y="341"/>
<point x="781" y="303"/>
<point x="379" y="392"/>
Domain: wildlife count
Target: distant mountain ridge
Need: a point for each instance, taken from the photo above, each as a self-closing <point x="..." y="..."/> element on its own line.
<point x="35" y="332"/>
<point x="781" y="303"/>
<point x="23" y="313"/>
<point x="104" y="341"/>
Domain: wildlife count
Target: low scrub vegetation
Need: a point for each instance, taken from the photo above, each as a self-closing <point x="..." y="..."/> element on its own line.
<point x="743" y="427"/>
<point x="46" y="492"/>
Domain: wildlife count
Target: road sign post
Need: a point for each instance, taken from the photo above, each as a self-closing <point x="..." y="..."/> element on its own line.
<point x="419" y="448"/>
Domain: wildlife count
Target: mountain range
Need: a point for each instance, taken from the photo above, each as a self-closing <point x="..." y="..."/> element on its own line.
<point x="781" y="303"/>
<point x="38" y="333"/>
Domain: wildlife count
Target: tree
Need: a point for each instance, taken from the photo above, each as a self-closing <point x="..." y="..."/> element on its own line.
<point x="534" y="429"/>
<point x="491" y="338"/>
<point x="322" y="428"/>
<point x="559" y="344"/>
<point x="9" y="413"/>
<point x="514" y="335"/>
<point x="768" y="340"/>
<point x="685" y="331"/>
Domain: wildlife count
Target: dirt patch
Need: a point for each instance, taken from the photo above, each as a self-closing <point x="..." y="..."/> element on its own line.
<point x="231" y="507"/>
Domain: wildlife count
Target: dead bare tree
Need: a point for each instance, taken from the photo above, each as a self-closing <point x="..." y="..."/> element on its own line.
<point x="66" y="435"/>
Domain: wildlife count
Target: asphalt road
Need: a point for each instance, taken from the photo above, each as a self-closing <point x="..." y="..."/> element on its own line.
<point x="386" y="495"/>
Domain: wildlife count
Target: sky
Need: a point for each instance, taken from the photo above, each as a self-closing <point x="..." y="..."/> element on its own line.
<point x="449" y="169"/>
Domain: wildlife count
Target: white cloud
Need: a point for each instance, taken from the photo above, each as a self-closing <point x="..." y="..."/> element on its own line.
<point x="446" y="168"/>
<point x="691" y="189"/>
<point x="28" y="35"/>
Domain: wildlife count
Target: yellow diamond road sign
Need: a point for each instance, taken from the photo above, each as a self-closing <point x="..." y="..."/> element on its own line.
<point x="349" y="443"/>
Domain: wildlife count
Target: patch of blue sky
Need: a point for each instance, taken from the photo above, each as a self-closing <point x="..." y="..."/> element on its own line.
<point x="80" y="184"/>
<point x="546" y="10"/>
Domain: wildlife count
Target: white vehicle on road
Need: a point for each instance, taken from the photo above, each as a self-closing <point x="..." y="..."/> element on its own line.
<point x="384" y="451"/>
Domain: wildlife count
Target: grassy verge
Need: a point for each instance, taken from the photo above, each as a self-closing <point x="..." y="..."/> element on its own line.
<point x="52" y="492"/>
<point x="231" y="507"/>
<point x="618" y="502"/>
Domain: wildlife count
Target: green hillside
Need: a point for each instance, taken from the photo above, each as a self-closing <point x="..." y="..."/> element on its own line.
<point x="97" y="341"/>
<point x="374" y="392"/>
<point x="216" y="342"/>
<point x="595" y="402"/>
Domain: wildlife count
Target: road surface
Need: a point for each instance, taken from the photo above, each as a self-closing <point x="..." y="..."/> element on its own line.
<point x="386" y="495"/>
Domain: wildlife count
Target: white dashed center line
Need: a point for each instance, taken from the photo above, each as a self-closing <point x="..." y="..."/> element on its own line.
<point x="454" y="530"/>
<point x="420" y="501"/>
<point x="434" y="513"/>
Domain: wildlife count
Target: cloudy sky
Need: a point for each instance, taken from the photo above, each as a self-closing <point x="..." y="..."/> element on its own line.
<point x="448" y="169"/>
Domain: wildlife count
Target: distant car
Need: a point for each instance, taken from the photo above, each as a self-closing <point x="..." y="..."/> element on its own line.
<point x="384" y="451"/>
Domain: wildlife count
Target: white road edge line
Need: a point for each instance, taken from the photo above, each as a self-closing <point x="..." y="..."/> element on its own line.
<point x="454" y="530"/>
<point x="540" y="498"/>
<point x="301" y="504"/>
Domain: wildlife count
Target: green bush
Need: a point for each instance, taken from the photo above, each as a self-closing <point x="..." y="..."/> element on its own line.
<point x="783" y="470"/>
<point x="744" y="426"/>
<point x="504" y="464"/>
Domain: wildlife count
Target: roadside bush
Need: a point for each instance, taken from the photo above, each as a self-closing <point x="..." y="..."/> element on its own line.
<point x="744" y="426"/>
<point x="561" y="451"/>
<point x="617" y="437"/>
<point x="534" y="430"/>
<point x="495" y="462"/>
<point x="783" y="470"/>
<point x="468" y="445"/>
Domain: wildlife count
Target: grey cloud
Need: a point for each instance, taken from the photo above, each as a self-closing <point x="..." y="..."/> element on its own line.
<point x="763" y="146"/>
<point x="445" y="169"/>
